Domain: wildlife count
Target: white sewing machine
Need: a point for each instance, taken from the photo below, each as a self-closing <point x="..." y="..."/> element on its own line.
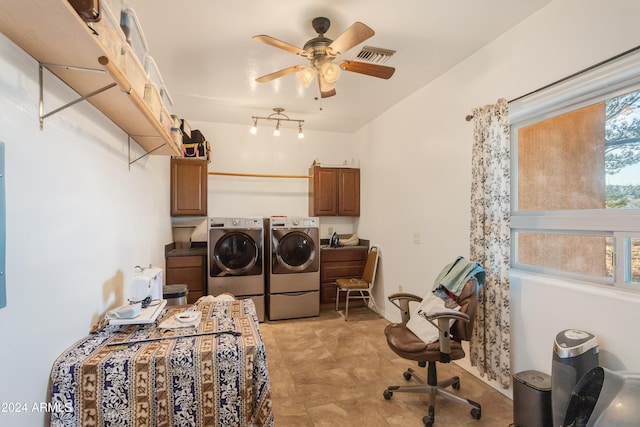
<point x="145" y="299"/>
<point x="146" y="284"/>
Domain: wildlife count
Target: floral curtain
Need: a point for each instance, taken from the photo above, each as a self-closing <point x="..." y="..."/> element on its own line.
<point x="490" y="346"/>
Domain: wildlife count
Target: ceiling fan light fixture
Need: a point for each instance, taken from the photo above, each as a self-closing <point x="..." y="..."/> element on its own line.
<point x="330" y="71"/>
<point x="300" y="133"/>
<point x="276" y="131"/>
<point x="254" y="128"/>
<point x="321" y="52"/>
<point x="306" y="75"/>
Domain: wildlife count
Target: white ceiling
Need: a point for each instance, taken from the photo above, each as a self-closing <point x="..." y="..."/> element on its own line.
<point x="209" y="61"/>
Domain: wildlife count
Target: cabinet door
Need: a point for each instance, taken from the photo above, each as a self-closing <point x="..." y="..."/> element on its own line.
<point x="188" y="187"/>
<point x="323" y="191"/>
<point x="337" y="264"/>
<point x="187" y="270"/>
<point x="349" y="192"/>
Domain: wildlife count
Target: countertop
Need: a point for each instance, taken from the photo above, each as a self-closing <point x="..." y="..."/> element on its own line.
<point x="196" y="249"/>
<point x="200" y="248"/>
<point x="363" y="245"/>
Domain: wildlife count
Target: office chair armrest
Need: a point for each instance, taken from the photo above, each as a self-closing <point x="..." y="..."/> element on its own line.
<point x="447" y="315"/>
<point x="402" y="300"/>
<point x="442" y="321"/>
<point x="404" y="295"/>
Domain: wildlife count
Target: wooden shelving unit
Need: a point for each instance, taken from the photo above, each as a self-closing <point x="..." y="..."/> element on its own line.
<point x="52" y="33"/>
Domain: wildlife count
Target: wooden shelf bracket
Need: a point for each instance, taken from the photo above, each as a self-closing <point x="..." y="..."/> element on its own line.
<point x="42" y="66"/>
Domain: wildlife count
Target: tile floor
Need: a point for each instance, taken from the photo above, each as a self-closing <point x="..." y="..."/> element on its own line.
<point x="328" y="372"/>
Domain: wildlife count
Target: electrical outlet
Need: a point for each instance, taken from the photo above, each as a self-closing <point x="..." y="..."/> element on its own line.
<point x="416" y="238"/>
<point x="400" y="288"/>
<point x="330" y="231"/>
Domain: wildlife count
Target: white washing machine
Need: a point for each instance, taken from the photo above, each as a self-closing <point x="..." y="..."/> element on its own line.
<point x="236" y="259"/>
<point x="294" y="268"/>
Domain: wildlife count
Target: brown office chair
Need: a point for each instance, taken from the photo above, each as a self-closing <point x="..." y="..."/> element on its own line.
<point x="362" y="285"/>
<point x="408" y="346"/>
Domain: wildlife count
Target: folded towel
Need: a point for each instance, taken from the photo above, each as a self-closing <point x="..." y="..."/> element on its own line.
<point x="456" y="274"/>
<point x="222" y="297"/>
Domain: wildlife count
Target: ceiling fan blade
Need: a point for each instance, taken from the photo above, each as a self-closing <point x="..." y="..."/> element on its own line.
<point x="279" y="44"/>
<point x="375" y="70"/>
<point x="326" y="89"/>
<point x="278" y="74"/>
<point x="354" y="35"/>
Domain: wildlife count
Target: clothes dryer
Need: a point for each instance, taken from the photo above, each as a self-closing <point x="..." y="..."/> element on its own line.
<point x="294" y="267"/>
<point x="236" y="259"/>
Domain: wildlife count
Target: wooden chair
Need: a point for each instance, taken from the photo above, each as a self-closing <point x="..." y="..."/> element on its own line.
<point x="363" y="286"/>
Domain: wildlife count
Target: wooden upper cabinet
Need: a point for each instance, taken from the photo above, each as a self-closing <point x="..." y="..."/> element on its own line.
<point x="189" y="187"/>
<point x="334" y="191"/>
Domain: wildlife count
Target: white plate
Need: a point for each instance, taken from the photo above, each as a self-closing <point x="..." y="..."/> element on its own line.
<point x="187" y="316"/>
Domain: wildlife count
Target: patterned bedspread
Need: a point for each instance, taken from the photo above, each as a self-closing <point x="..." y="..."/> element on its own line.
<point x="202" y="378"/>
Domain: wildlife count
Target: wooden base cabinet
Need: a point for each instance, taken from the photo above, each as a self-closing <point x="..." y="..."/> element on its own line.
<point x="336" y="264"/>
<point x="190" y="271"/>
<point x="189" y="187"/>
<point x="334" y="191"/>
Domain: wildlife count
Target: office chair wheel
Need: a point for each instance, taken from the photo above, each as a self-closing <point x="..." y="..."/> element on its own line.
<point x="429" y="419"/>
<point x="476" y="413"/>
<point x="387" y="394"/>
<point x="407" y="375"/>
<point x="456" y="385"/>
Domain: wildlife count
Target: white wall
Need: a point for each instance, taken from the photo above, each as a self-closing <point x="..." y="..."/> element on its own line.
<point x="235" y="150"/>
<point x="416" y="176"/>
<point x="78" y="221"/>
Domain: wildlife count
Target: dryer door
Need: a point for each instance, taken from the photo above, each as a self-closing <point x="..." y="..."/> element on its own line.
<point x="295" y="251"/>
<point x="236" y="253"/>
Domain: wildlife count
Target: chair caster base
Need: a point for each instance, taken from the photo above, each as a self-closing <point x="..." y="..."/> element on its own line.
<point x="456" y="385"/>
<point x="429" y="419"/>
<point x="476" y="413"/>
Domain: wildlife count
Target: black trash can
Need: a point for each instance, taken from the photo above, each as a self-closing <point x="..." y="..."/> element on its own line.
<point x="175" y="294"/>
<point x="575" y="353"/>
<point x="532" y="399"/>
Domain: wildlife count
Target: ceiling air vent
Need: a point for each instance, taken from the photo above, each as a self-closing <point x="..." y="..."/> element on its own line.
<point x="375" y="55"/>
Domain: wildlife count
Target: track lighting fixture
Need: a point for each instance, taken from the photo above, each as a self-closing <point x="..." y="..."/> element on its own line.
<point x="278" y="117"/>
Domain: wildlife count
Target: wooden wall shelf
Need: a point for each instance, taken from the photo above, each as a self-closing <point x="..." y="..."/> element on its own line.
<point x="53" y="33"/>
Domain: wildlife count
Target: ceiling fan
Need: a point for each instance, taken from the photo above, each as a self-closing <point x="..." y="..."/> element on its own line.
<point x="321" y="52"/>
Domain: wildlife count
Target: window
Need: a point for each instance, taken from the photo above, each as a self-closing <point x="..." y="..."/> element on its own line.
<point x="576" y="176"/>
